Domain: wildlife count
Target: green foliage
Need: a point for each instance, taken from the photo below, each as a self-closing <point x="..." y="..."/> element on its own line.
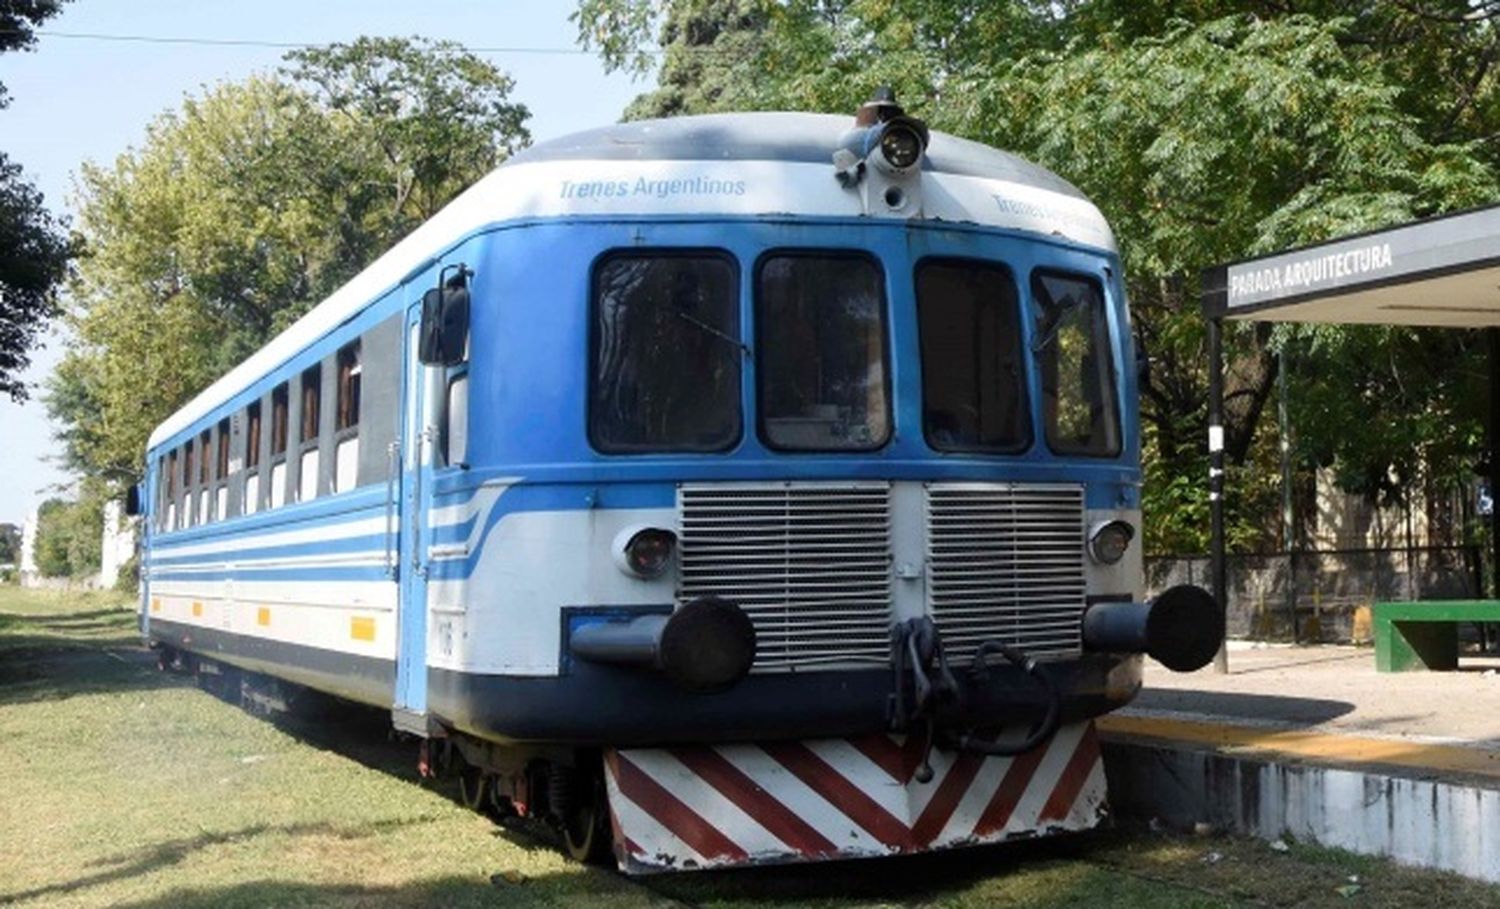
<point x="1401" y="407"/>
<point x="128" y="579"/>
<point x="69" y="535"/>
<point x="243" y="209"/>
<point x="19" y="20"/>
<point x="33" y="252"/>
<point x="10" y="544"/>
<point x="431" y="116"/>
<point x="621" y="30"/>
<point x="709" y="60"/>
<point x="1206" y="132"/>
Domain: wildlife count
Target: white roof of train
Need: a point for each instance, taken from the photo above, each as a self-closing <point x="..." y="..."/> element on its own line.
<point x="718" y="164"/>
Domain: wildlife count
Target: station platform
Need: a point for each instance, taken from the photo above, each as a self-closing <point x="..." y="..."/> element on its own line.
<point x="1313" y="743"/>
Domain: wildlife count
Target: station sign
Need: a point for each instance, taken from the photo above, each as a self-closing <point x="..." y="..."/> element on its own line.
<point x="1449" y="244"/>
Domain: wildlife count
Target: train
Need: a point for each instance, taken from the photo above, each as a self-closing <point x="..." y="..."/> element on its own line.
<point x="721" y="490"/>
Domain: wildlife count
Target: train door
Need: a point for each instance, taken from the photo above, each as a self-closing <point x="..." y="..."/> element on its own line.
<point x="414" y="496"/>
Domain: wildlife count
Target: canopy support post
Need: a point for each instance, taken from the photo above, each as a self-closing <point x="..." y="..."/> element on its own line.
<point x="1216" y="478"/>
<point x="1492" y="335"/>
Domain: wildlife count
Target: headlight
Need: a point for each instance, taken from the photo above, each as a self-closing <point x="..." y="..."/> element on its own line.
<point x="645" y="552"/>
<point x="1109" y="541"/>
<point x="901" y="145"/>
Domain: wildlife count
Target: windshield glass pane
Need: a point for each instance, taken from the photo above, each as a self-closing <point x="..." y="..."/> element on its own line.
<point x="1073" y="354"/>
<point x="666" y="354"/>
<point x="821" y="321"/>
<point x="973" y="378"/>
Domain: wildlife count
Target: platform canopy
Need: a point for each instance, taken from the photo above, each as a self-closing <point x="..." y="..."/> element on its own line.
<point x="1443" y="271"/>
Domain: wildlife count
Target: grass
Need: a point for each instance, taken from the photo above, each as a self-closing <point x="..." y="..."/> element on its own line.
<point x="127" y="787"/>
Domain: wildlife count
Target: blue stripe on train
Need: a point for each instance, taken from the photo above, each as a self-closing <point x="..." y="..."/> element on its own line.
<point x="334" y="546"/>
<point x="551" y="497"/>
<point x="278" y="573"/>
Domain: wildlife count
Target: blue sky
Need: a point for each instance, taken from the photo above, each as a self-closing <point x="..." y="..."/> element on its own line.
<point x="74" y="100"/>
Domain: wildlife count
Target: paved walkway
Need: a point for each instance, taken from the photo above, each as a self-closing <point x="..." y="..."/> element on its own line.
<point x="1333" y="690"/>
<point x="1328" y="706"/>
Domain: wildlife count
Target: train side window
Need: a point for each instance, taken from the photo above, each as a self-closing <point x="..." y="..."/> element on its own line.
<point x="1072" y="347"/>
<point x="820" y="320"/>
<point x="280" y="398"/>
<point x="221" y="471"/>
<point x="187" y="485"/>
<point x="311" y="387"/>
<point x="169" y="514"/>
<point x="665" y="353"/>
<point x="456" y="425"/>
<point x="158" y="519"/>
<point x="251" y="491"/>
<point x="346" y="422"/>
<point x="973" y="373"/>
<point x="205" y="477"/>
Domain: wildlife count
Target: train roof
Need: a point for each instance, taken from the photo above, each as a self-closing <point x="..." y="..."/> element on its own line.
<point x="734" y="165"/>
<point x="776" y="136"/>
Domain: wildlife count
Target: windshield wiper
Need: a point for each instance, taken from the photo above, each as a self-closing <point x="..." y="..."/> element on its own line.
<point x="704" y="326"/>
<point x="1055" y="314"/>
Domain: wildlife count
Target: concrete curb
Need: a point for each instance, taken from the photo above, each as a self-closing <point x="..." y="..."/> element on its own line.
<point x="1450" y="824"/>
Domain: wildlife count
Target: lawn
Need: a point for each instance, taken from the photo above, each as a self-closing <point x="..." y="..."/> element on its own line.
<point x="127" y="787"/>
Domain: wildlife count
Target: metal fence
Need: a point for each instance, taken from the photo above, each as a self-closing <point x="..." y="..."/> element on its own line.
<point x="1312" y="597"/>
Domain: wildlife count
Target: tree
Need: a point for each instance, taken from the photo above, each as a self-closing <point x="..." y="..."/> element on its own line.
<point x="224" y="226"/>
<point x="711" y="59"/>
<point x="434" y="117"/>
<point x="243" y="209"/>
<point x="10" y="544"/>
<point x="33" y="252"/>
<point x="70" y="535"/>
<point x="50" y="550"/>
<point x="1205" y="131"/>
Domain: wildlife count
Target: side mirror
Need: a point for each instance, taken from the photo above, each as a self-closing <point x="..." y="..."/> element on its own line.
<point x="445" y="321"/>
<point x="133" y="501"/>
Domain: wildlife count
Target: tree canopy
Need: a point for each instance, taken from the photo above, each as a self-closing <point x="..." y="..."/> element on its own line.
<point x="33" y="250"/>
<point x="244" y="208"/>
<point x="1206" y="131"/>
<point x="70" y="535"/>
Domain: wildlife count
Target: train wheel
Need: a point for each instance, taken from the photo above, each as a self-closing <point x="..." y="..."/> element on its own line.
<point x="500" y="805"/>
<point x="473" y="785"/>
<point x="585" y="825"/>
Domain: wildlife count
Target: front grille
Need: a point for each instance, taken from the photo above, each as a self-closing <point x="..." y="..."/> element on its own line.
<point x="810" y="563"/>
<point x="1006" y="561"/>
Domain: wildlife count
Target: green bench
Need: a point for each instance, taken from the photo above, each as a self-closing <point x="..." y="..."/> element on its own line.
<point x="1424" y="635"/>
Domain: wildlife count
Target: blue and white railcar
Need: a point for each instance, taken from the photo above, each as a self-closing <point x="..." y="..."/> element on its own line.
<point x="732" y="488"/>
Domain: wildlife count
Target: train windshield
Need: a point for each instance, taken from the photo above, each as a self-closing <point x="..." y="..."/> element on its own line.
<point x="1072" y="348"/>
<point x="666" y="354"/>
<point x="973" y="374"/>
<point x="822" y="356"/>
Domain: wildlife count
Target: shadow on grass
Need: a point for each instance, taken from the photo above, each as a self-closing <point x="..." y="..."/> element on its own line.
<point x="57" y="655"/>
<point x="173" y="852"/>
<point x="363" y="734"/>
<point x="1030" y="872"/>
<point x="910" y="879"/>
<point x="451" y="892"/>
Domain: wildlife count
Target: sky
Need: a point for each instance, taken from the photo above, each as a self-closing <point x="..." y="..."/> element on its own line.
<point x="75" y="100"/>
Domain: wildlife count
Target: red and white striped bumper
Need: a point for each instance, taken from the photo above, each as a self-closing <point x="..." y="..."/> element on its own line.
<point x="717" y="806"/>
